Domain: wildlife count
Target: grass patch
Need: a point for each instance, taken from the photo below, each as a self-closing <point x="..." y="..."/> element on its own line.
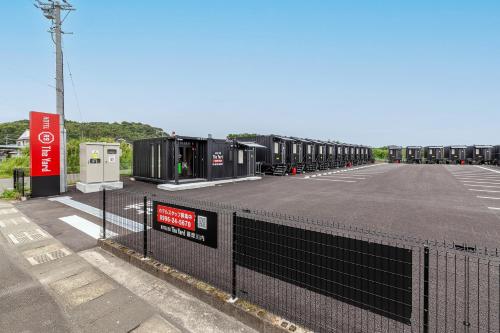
<point x="10" y="195"/>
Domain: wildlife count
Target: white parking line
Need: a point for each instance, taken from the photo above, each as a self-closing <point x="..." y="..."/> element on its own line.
<point x="494" y="208"/>
<point x="477" y="185"/>
<point x="496" y="171"/>
<point x="336" y="180"/>
<point x="344" y="177"/>
<point x="110" y="217"/>
<point x="85" y="226"/>
<point x="481" y="182"/>
<point x="489" y="191"/>
<point x="480" y="178"/>
<point x="491" y="198"/>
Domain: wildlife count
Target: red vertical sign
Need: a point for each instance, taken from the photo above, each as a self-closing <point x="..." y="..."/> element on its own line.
<point x="44" y="144"/>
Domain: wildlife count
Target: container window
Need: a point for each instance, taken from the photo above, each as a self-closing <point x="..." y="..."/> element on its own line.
<point x="294" y="148"/>
<point x="453" y="151"/>
<point x="152" y="161"/>
<point x="357" y="150"/>
<point x="240" y="156"/>
<point x="159" y="161"/>
<point x="347" y="150"/>
<point x="112" y="151"/>
<point x="477" y="151"/>
<point x="331" y="150"/>
<point x="390" y="151"/>
<point x="409" y="151"/>
<point x="321" y="149"/>
<point x="339" y="150"/>
<point x="308" y="149"/>
<point x="430" y="151"/>
<point x="276" y="148"/>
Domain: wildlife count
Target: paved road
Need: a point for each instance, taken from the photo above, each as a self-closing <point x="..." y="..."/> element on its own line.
<point x="426" y="201"/>
<point x="53" y="279"/>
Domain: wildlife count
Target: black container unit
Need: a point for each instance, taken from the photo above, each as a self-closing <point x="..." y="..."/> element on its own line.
<point x="366" y="155"/>
<point x="349" y="154"/>
<point x="330" y="154"/>
<point x="274" y="158"/>
<point x="295" y="155"/>
<point x="358" y="157"/>
<point x="394" y="154"/>
<point x="455" y="154"/>
<point x="321" y="155"/>
<point x="339" y="155"/>
<point x="414" y="154"/>
<point x="309" y="148"/>
<point x="434" y="154"/>
<point x="480" y="154"/>
<point x="183" y="159"/>
<point x="346" y="154"/>
<point x="371" y="158"/>
<point x="496" y="159"/>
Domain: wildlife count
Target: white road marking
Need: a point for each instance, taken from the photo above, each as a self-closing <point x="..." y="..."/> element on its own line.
<point x="492" y="198"/>
<point x="482" y="182"/>
<point x="13" y="239"/>
<point x="110" y="217"/>
<point x="480" y="178"/>
<point x="493" y="186"/>
<point x="344" y="177"/>
<point x="8" y="211"/>
<point x="337" y="180"/>
<point x="494" y="208"/>
<point x="85" y="226"/>
<point x="473" y="189"/>
<point x="496" y="171"/>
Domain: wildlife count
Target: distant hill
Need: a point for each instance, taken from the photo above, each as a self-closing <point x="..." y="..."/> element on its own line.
<point x="91" y="130"/>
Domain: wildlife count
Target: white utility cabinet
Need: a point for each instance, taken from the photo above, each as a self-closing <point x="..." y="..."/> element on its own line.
<point x="99" y="166"/>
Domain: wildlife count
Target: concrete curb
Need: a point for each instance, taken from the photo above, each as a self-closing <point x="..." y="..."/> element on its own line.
<point x="247" y="313"/>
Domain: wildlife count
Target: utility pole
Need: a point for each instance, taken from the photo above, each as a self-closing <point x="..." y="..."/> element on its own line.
<point x="52" y="11"/>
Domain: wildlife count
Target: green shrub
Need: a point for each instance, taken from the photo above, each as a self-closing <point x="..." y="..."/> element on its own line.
<point x="10" y="195"/>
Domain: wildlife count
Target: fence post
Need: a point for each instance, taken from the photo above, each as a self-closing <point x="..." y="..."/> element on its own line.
<point x="22" y="185"/>
<point x="233" y="289"/>
<point x="104" y="212"/>
<point x="145" y="227"/>
<point x="426" y="289"/>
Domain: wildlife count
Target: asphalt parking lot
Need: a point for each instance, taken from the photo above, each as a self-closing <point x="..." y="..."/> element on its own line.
<point x="438" y="202"/>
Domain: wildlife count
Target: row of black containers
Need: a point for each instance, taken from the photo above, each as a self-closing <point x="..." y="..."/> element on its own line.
<point x="285" y="154"/>
<point x="186" y="159"/>
<point x="458" y="154"/>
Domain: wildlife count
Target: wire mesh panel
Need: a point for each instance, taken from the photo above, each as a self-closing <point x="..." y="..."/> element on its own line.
<point x="325" y="279"/>
<point x="464" y="290"/>
<point x="319" y="274"/>
<point x="124" y="214"/>
<point x="212" y="264"/>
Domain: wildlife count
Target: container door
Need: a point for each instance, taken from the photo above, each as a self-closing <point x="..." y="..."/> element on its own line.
<point x="95" y="161"/>
<point x="112" y="163"/>
<point x="283" y="152"/>
<point x="251" y="162"/>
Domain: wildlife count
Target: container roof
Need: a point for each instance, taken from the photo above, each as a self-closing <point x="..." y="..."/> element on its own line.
<point x="414" y="147"/>
<point x="434" y="147"/>
<point x="458" y="146"/>
<point x="482" y="146"/>
<point x="250" y="144"/>
<point x="394" y="147"/>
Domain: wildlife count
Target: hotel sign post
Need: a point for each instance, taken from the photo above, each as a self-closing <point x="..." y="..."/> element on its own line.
<point x="44" y="154"/>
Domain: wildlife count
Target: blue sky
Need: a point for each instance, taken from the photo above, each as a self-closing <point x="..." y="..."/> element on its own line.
<point x="370" y="72"/>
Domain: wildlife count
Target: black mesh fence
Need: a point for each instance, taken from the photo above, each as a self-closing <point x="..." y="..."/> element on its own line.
<point x="319" y="274"/>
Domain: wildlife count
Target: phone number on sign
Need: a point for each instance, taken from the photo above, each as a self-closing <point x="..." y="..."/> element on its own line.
<point x="179" y="218"/>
